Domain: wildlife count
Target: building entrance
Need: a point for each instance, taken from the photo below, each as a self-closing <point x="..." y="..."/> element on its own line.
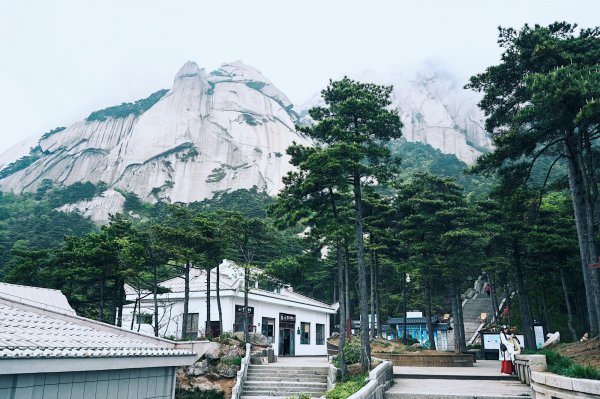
<point x="287" y="324"/>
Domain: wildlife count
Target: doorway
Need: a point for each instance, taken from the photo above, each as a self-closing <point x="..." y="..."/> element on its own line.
<point x="287" y="325"/>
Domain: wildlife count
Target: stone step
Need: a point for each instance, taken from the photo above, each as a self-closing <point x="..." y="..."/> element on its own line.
<point x="279" y="391"/>
<point x="287" y="384"/>
<point x="271" y="367"/>
<point x="281" y="373"/>
<point x="263" y="369"/>
<point x="291" y="377"/>
<point x="278" y="394"/>
<point x="457" y="377"/>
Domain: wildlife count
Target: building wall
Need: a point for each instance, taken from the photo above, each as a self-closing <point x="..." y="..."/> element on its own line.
<point x="170" y="319"/>
<point x="147" y="383"/>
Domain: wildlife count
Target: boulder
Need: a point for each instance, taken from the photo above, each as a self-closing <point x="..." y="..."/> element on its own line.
<point x="255" y="338"/>
<point x="213" y="351"/>
<point x="198" y="368"/>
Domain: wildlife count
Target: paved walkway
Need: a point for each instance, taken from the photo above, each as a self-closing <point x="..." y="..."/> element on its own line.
<point x="482" y="381"/>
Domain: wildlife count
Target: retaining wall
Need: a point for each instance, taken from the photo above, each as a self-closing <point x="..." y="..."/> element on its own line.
<point x="436" y="360"/>
<point x="544" y="385"/>
<point x="381" y="379"/>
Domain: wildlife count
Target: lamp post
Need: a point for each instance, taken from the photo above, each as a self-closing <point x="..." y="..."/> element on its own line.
<point x="404" y="337"/>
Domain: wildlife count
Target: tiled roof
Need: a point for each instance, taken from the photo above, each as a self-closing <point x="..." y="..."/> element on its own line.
<point x="411" y="320"/>
<point x="41" y="297"/>
<point x="39" y="334"/>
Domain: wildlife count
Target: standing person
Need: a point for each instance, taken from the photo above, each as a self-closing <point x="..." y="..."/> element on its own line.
<point x="516" y="343"/>
<point x="488" y="289"/>
<point x="505" y="352"/>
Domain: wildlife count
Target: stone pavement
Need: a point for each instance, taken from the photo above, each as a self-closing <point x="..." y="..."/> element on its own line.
<point x="482" y="381"/>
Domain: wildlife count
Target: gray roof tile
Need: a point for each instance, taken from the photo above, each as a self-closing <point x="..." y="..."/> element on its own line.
<point x="25" y="334"/>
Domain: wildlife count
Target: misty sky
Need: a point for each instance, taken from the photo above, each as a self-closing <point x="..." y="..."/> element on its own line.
<point x="60" y="60"/>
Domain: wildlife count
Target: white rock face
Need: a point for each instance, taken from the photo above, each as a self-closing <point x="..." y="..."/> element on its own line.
<point x="98" y="208"/>
<point x="436" y="110"/>
<point x="221" y="131"/>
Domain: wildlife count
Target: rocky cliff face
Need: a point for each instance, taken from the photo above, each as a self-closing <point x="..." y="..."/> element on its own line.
<point x="224" y="130"/>
<point x="436" y="110"/>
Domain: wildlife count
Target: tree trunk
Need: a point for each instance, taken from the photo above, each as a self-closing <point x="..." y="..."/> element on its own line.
<point x="524" y="303"/>
<point x="186" y="299"/>
<point x="582" y="210"/>
<point x="377" y="297"/>
<point x="133" y="314"/>
<point x="455" y="319"/>
<point x="155" y="298"/>
<point x="365" y="361"/>
<point x="246" y="289"/>
<point x="219" y="299"/>
<point x="347" y="285"/>
<point x="545" y="310"/>
<point x="428" y="322"/>
<point x="372" y="332"/>
<point x="208" y="328"/>
<point x="120" y="301"/>
<point x="461" y="321"/>
<point x="495" y="303"/>
<point x="563" y="282"/>
<point x="342" y="344"/>
<point x="101" y="310"/>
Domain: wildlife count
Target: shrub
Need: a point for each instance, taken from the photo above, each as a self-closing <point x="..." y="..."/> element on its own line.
<point x="236" y="361"/>
<point x="563" y="365"/>
<point x="343" y="390"/>
<point x="126" y="109"/>
<point x="301" y="396"/>
<point x="351" y="353"/>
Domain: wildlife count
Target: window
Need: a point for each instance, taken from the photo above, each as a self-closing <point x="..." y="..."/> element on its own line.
<point x="239" y="318"/>
<point x="320" y="334"/>
<point x="192" y="325"/>
<point x="268" y="328"/>
<point x="305" y="333"/>
<point x="144" y="319"/>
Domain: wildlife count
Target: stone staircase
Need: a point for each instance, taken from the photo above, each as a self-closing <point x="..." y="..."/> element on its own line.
<point x="276" y="381"/>
<point x="472" y="310"/>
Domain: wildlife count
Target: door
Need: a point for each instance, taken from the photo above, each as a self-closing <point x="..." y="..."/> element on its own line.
<point x="286" y="342"/>
<point x="268" y="329"/>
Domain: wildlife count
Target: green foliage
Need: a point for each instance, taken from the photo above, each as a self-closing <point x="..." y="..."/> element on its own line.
<point x="301" y="396"/>
<point x="351" y="353"/>
<point x="198" y="393"/>
<point x="345" y="389"/>
<point x="236" y="361"/>
<point x="563" y="365"/>
<point x="52" y="132"/>
<point x="21" y="163"/>
<point x="125" y="109"/>
<point x="216" y="175"/>
<point x="256" y="85"/>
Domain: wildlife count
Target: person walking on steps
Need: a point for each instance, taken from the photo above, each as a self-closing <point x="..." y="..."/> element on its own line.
<point x="488" y="289"/>
<point x="505" y="353"/>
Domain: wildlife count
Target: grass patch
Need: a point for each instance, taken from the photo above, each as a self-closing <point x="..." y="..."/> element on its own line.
<point x="236" y="361"/>
<point x="343" y="390"/>
<point x="562" y="365"/>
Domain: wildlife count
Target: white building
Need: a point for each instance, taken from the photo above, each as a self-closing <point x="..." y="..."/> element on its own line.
<point x="296" y="325"/>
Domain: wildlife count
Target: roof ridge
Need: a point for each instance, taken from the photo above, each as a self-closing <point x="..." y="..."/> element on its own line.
<point x="31" y="286"/>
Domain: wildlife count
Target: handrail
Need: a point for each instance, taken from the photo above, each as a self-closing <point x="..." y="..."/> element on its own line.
<point x="236" y="392"/>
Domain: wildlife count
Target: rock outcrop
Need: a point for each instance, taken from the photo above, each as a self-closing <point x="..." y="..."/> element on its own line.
<point x="220" y="131"/>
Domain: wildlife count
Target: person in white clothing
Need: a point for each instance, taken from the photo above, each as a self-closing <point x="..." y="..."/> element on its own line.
<point x="506" y="351"/>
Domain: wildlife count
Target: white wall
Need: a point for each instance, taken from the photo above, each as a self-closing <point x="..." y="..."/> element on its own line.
<point x="170" y="317"/>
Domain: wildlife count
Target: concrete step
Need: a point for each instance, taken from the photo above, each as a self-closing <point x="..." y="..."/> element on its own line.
<point x="286" y="384"/>
<point x="458" y="377"/>
<point x="269" y="368"/>
<point x="450" y="396"/>
<point x="287" y="392"/>
<point x="291" y="377"/>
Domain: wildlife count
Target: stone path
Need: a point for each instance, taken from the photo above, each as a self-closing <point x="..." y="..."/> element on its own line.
<point x="472" y="310"/>
<point x="482" y="381"/>
<point x="287" y="377"/>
